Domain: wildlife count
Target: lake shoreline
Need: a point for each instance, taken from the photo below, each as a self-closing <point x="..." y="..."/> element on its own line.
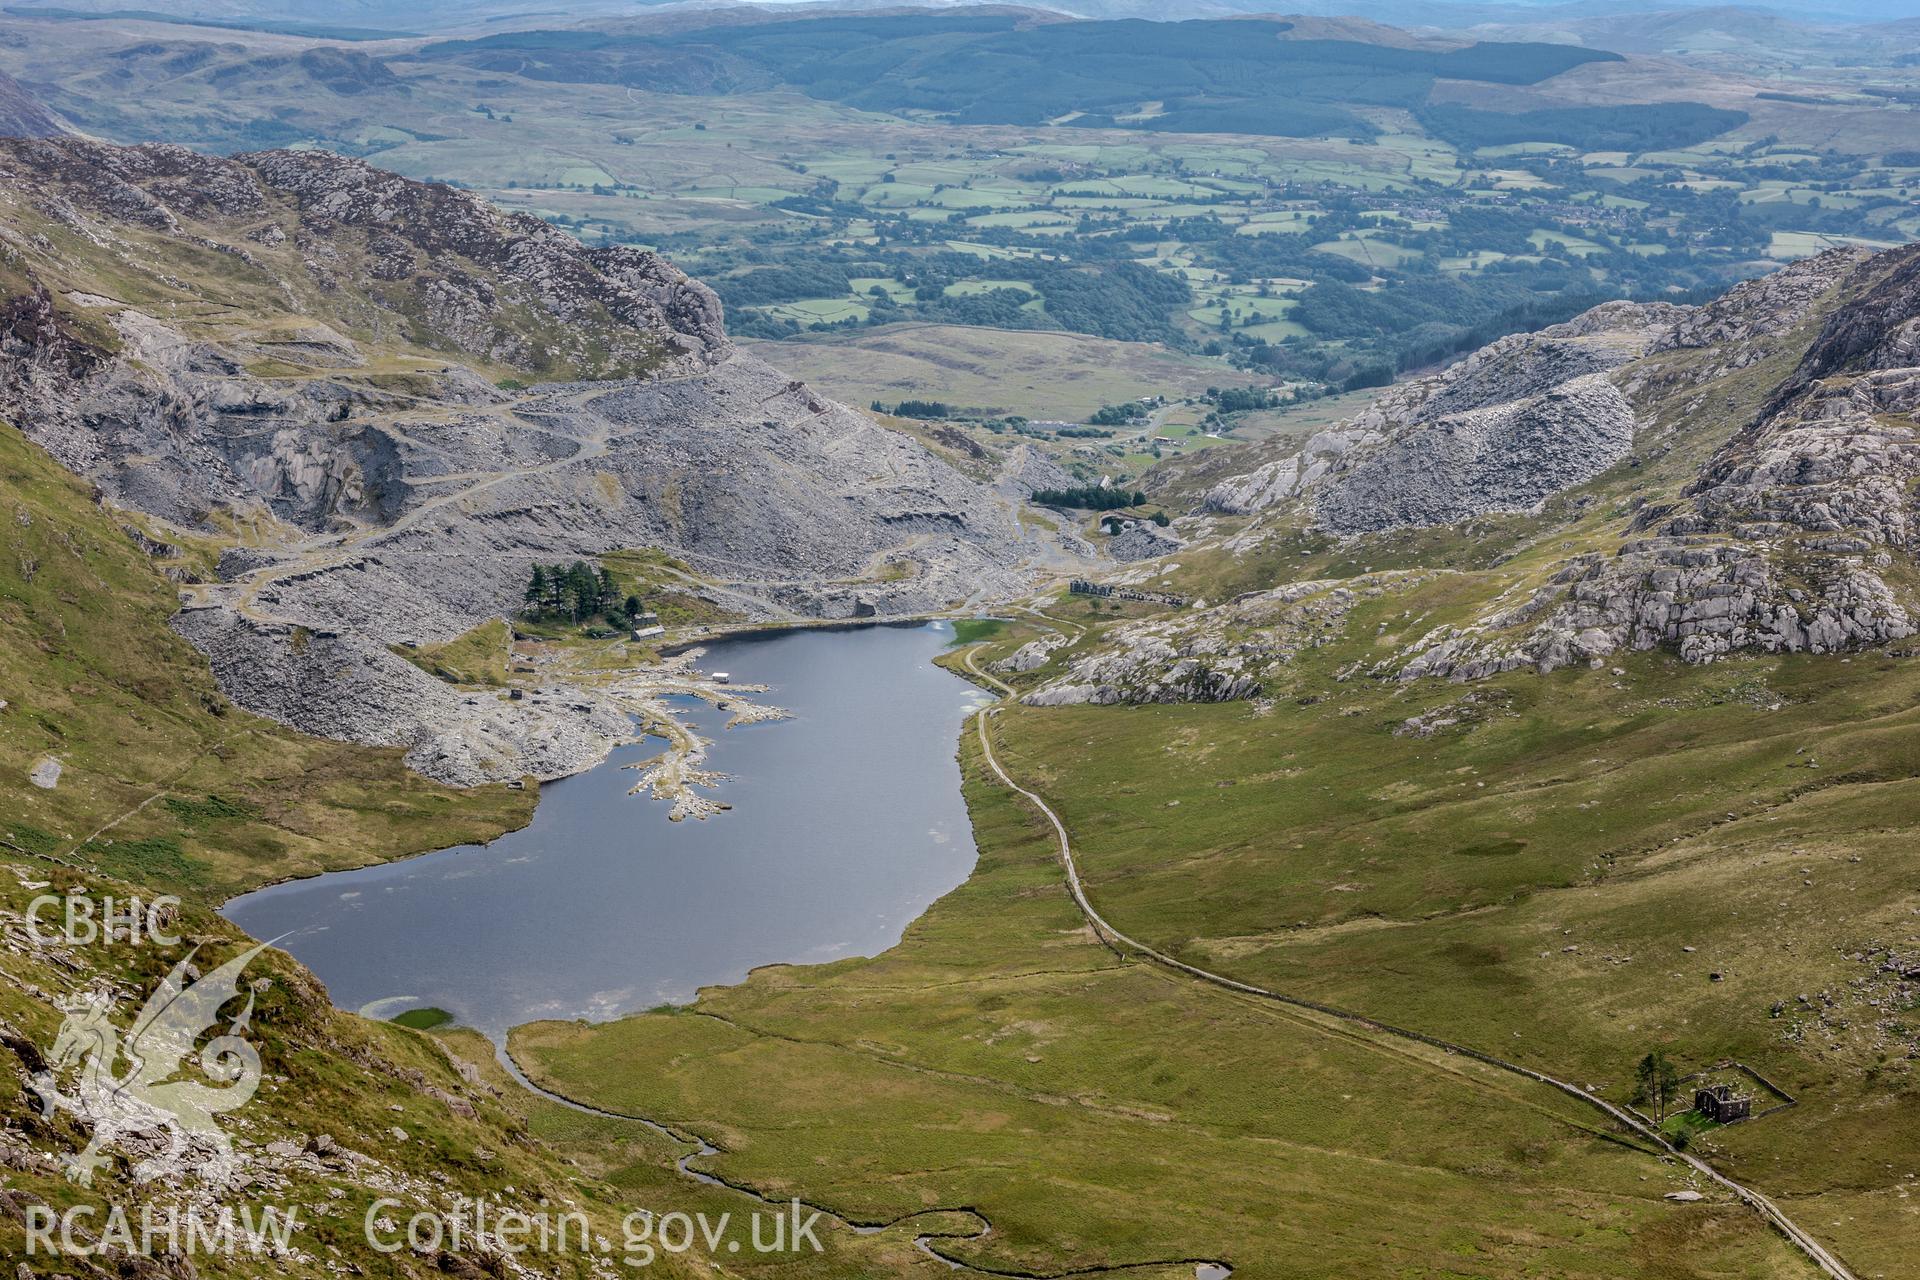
<point x="846" y="825"/>
<point x="537" y="785"/>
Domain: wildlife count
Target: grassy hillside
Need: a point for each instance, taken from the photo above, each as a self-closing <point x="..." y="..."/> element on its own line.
<point x="162" y="781"/>
<point x="1584" y="869"/>
<point x="164" y="787"/>
<point x="1102" y="1111"/>
<point x="1571" y="871"/>
<point x="351" y="1112"/>
<point x="1577" y="871"/>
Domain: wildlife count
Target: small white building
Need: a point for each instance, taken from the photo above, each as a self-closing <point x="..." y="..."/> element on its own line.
<point x="642" y="633"/>
<point x="720" y="677"/>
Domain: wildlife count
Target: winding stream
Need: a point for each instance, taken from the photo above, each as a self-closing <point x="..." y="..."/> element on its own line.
<point x="846" y="822"/>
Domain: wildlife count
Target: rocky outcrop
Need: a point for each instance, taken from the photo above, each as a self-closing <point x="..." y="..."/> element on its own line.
<point x="1275" y="482"/>
<point x="1789" y="538"/>
<point x="1703" y="601"/>
<point x="1505" y="457"/>
<point x="1032" y="655"/>
<point x="1827" y="465"/>
<point x="1874" y="333"/>
<point x="1796" y="534"/>
<point x="1222" y="654"/>
<point x="407" y="508"/>
<point x="178" y="428"/>
<point x="1510" y="425"/>
<point x="1738" y="325"/>
<point x="1530" y="364"/>
<point x="458" y="274"/>
<point x="719" y="458"/>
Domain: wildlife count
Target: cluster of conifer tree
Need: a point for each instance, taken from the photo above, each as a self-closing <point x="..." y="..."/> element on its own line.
<point x="1089" y="497"/>
<point x="578" y="592"/>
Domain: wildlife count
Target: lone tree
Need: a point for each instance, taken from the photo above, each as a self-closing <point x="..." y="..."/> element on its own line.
<point x="1656" y="1082"/>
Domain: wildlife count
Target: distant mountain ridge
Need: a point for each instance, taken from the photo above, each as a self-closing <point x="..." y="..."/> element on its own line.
<point x="1253" y="76"/>
<point x="446" y="15"/>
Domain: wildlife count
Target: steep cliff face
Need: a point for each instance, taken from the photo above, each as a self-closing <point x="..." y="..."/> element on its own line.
<point x="410" y="397"/>
<point x="1797" y="533"/>
<point x="1737" y="477"/>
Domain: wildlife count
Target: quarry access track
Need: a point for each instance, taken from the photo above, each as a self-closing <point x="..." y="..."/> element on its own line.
<point x="332" y="551"/>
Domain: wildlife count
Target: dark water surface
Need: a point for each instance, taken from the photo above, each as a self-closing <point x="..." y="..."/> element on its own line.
<point x="846" y="823"/>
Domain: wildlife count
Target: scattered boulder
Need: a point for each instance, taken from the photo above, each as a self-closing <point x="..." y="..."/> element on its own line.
<point x="1032" y="655"/>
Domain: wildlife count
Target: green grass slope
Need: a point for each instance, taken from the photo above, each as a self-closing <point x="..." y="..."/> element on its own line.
<point x="164" y="787"/>
<point x="1105" y="1113"/>
<point x="1584" y="868"/>
<point x="162" y="781"/>
<point x="1568" y="871"/>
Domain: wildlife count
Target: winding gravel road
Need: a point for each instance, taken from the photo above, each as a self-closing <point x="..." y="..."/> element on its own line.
<point x="1820" y="1256"/>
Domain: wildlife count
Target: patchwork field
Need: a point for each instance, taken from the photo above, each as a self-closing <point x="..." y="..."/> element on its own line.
<point x="1402" y="236"/>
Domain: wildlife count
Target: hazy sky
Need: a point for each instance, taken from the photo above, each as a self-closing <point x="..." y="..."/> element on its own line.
<point x="1855" y="10"/>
